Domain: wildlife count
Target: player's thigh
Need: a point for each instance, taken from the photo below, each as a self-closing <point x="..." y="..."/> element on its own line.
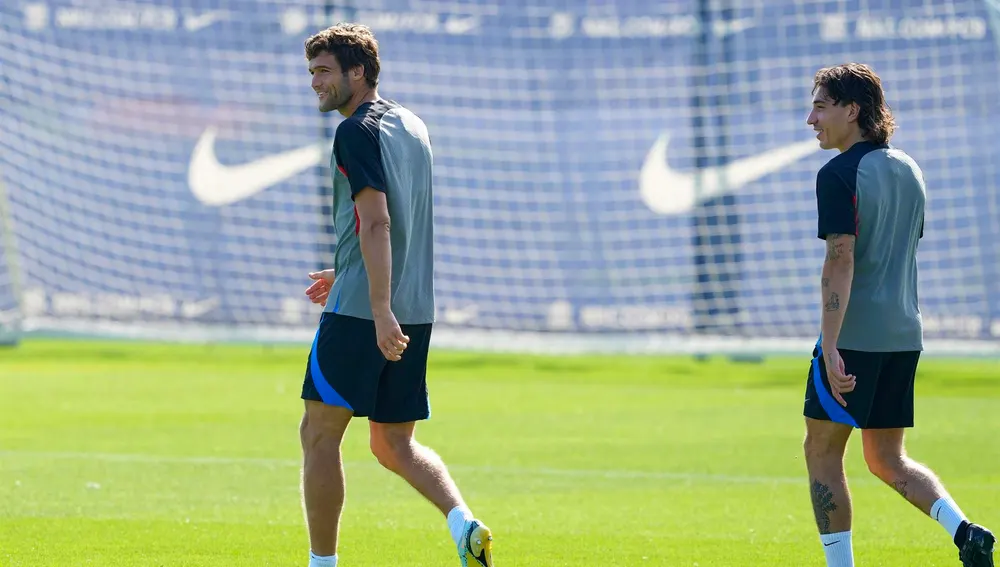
<point x="402" y="389"/>
<point x="819" y="401"/>
<point x="323" y="422"/>
<point x="893" y="401"/>
<point x="824" y="436"/>
<point x="344" y="364"/>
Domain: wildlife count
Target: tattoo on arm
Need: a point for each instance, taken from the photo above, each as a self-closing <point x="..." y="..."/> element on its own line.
<point x="833" y="304"/>
<point x="834" y="249"/>
<point x="826" y="282"/>
<point x="900" y="486"/>
<point x="822" y="500"/>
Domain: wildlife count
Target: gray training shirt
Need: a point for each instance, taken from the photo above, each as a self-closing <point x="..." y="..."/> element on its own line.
<point x="386" y="147"/>
<point x="877" y="193"/>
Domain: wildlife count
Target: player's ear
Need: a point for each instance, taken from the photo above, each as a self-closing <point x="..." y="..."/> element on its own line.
<point x="358" y="72"/>
<point x="853" y="111"/>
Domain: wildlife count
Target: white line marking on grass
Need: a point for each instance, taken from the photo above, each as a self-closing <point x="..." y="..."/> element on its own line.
<point x="611" y="474"/>
<point x="153" y="459"/>
<point x="608" y="474"/>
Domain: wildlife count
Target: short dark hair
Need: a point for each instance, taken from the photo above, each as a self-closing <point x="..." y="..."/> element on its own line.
<point x="352" y="45"/>
<point x="857" y="83"/>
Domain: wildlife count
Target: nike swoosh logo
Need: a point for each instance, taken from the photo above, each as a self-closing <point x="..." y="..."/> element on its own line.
<point x="831" y="543"/>
<point x="217" y="185"/>
<point x="732" y="27"/>
<point x="668" y="191"/>
<point x="195" y="22"/>
<point x="195" y="309"/>
<point x="456" y="316"/>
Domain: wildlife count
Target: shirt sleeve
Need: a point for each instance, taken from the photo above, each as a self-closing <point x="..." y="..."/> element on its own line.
<point x="836" y="202"/>
<point x="359" y="157"/>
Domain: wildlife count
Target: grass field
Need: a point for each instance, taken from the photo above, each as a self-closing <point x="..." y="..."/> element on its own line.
<point x="133" y="454"/>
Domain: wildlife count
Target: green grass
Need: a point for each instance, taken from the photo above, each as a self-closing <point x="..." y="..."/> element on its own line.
<point x="136" y="454"/>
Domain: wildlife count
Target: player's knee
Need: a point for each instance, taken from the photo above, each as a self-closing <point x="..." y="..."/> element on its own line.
<point x="392" y="451"/>
<point x="821" y="447"/>
<point x="313" y="437"/>
<point x="811" y="448"/>
<point x="320" y="435"/>
<point x="886" y="465"/>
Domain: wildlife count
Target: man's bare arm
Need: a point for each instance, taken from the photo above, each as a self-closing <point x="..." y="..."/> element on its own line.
<point x="373" y="230"/>
<point x="838" y="272"/>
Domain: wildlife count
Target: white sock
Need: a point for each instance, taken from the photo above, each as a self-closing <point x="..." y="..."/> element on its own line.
<point x="948" y="514"/>
<point x="838" y="549"/>
<point x="456" y="522"/>
<point x="317" y="561"/>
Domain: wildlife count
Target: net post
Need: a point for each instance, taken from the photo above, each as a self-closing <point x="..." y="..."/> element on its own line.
<point x="716" y="226"/>
<point x="10" y="327"/>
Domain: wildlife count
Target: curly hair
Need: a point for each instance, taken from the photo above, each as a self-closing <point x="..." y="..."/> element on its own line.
<point x="352" y="45"/>
<point x="858" y="83"/>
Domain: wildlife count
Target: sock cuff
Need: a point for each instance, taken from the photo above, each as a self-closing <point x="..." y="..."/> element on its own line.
<point x="944" y="502"/>
<point x="827" y="538"/>
<point x="947" y="513"/>
<point x="322" y="561"/>
<point x="838" y="549"/>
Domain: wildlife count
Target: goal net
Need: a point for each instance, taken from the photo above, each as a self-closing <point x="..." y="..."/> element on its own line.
<point x="618" y="175"/>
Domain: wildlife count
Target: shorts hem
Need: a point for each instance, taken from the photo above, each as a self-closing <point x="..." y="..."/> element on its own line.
<point x="818" y="417"/>
<point x="325" y="403"/>
<point x="882" y="426"/>
<point x="391" y="420"/>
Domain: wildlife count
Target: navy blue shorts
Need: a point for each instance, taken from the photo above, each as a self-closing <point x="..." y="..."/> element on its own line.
<point x="347" y="369"/>
<point x="883" y="390"/>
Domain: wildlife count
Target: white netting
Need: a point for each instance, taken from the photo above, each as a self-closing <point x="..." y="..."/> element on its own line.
<point x="566" y="137"/>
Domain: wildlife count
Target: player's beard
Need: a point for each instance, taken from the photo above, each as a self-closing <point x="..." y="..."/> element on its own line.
<point x="336" y="96"/>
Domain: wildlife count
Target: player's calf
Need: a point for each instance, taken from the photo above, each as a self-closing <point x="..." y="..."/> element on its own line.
<point x="912" y="480"/>
<point x="396" y="449"/>
<point x="887" y="460"/>
<point x="321" y="434"/>
<point x="824" y="448"/>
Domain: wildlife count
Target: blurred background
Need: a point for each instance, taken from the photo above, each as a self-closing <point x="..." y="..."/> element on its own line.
<point x="608" y="173"/>
<point x="612" y="177"/>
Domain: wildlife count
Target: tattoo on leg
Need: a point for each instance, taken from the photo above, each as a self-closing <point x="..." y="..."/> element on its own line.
<point x="900" y="486"/>
<point x="822" y="500"/>
<point x="826" y="282"/>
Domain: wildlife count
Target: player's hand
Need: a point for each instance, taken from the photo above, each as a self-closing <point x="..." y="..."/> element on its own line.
<point x="320" y="289"/>
<point x="840" y="381"/>
<point x="391" y="340"/>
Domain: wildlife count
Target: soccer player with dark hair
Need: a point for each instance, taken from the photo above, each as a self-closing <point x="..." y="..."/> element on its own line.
<point x="871" y="214"/>
<point x="369" y="357"/>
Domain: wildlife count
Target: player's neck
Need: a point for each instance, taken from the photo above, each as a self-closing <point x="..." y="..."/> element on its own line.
<point x="360" y="97"/>
<point x="854" y="138"/>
